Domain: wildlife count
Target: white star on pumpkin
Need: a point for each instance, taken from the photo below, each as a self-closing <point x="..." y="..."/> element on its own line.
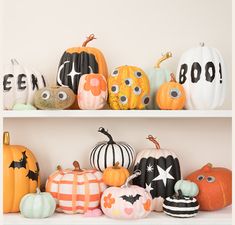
<point x="148" y="188"/>
<point x="73" y="73"/>
<point x="150" y="168"/>
<point x="163" y="174"/>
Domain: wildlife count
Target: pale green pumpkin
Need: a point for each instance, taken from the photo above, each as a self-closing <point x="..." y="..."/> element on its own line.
<point x="157" y="76"/>
<point x="188" y="188"/>
<point x="37" y="205"/>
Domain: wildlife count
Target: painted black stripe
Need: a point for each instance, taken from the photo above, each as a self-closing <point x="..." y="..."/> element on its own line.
<point x="93" y="157"/>
<point x="181" y="204"/>
<point x="98" y="156"/>
<point x="105" y="155"/>
<point x="180" y="212"/>
<point x="131" y="151"/>
<point x="129" y="158"/>
<point x="113" y="154"/>
<point x="121" y="150"/>
<point x="92" y="154"/>
<point x="43" y="80"/>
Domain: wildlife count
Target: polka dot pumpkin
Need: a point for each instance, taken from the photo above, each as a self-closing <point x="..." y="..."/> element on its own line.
<point x="128" y="88"/>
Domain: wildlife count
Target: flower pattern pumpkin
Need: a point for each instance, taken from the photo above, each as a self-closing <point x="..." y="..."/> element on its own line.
<point x="108" y="201"/>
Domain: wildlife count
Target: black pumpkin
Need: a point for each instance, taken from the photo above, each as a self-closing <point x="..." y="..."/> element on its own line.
<point x="160" y="170"/>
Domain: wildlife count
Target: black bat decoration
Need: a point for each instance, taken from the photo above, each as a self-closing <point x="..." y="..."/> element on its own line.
<point x="33" y="175"/>
<point x="132" y="199"/>
<point x="20" y="164"/>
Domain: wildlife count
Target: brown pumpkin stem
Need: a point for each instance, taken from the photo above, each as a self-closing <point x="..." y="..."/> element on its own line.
<point x="163" y="58"/>
<point x="153" y="139"/>
<point x="116" y="165"/>
<point x="77" y="166"/>
<point x="59" y="168"/>
<point x="88" y="39"/>
<point x="180" y="194"/>
<point x="6" y="138"/>
<point x="172" y="78"/>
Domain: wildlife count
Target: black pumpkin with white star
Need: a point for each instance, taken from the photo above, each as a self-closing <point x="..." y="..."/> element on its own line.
<point x="160" y="170"/>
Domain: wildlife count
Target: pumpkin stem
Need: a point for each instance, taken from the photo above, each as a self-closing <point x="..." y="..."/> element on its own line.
<point x="172" y="78"/>
<point x="88" y="39"/>
<point x="180" y="194"/>
<point x="91" y="70"/>
<point x="14" y="62"/>
<point x="134" y="175"/>
<point x="163" y="58"/>
<point x="116" y="165"/>
<point x="105" y="132"/>
<point x="153" y="139"/>
<point x="77" y="166"/>
<point x="59" y="168"/>
<point x="207" y="167"/>
<point x="38" y="190"/>
<point x="6" y="138"/>
<point x="202" y="44"/>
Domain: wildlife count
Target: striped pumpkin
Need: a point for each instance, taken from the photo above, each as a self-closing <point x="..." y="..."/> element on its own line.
<point x="76" y="191"/>
<point x="107" y="153"/>
<point x="180" y="206"/>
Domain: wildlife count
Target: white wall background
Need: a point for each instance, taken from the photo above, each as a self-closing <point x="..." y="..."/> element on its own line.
<point x="129" y="32"/>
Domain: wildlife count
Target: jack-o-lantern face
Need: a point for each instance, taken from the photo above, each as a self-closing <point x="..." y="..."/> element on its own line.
<point x="215" y="187"/>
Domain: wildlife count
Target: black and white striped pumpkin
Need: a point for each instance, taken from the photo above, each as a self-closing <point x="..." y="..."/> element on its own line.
<point x="107" y="153"/>
<point x="180" y="206"/>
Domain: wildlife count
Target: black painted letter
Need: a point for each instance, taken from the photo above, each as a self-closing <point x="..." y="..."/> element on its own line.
<point x="210" y="77"/>
<point x="7" y="82"/>
<point x="195" y="72"/>
<point x="183" y="71"/>
<point x="21" y="82"/>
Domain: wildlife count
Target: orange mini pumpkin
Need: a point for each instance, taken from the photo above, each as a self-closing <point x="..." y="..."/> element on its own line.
<point x="115" y="175"/>
<point x="171" y="95"/>
<point x="215" y="187"/>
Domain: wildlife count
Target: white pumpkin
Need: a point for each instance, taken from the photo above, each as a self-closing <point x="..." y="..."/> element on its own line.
<point x="201" y="71"/>
<point x="20" y="84"/>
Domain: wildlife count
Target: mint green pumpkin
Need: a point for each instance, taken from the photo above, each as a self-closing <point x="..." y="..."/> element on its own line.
<point x="157" y="76"/>
<point x="188" y="188"/>
<point x="37" y="205"/>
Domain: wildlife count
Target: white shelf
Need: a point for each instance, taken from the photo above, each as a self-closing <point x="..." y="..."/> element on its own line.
<point x="221" y="217"/>
<point x="118" y="114"/>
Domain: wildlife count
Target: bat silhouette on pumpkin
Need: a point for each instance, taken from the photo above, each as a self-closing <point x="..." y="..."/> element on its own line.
<point x="21" y="163"/>
<point x="33" y="175"/>
<point x="132" y="199"/>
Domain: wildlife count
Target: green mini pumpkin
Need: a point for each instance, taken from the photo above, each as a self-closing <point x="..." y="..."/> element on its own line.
<point x="37" y="205"/>
<point x="188" y="188"/>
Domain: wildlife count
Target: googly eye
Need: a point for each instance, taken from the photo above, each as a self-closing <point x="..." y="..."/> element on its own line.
<point x="210" y="179"/>
<point x="128" y="82"/>
<point x="145" y="100"/>
<point x="200" y="177"/>
<point x="123" y="99"/>
<point x="114" y="73"/>
<point x="175" y="93"/>
<point x="137" y="90"/>
<point x="45" y="95"/>
<point x="115" y="89"/>
<point x="138" y="74"/>
<point x="62" y="95"/>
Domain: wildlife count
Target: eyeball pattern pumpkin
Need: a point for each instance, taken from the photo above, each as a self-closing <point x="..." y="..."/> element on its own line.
<point x="54" y="98"/>
<point x="126" y="202"/>
<point x="92" y="91"/>
<point x="215" y="187"/>
<point x="76" y="191"/>
<point x="107" y="153"/>
<point x="19" y="84"/>
<point x="201" y="71"/>
<point x="128" y="88"/>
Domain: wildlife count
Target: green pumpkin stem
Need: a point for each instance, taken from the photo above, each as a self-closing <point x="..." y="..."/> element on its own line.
<point x="163" y="58"/>
<point x="153" y="139"/>
<point x="6" y="138"/>
<point x="105" y="132"/>
<point x="88" y="39"/>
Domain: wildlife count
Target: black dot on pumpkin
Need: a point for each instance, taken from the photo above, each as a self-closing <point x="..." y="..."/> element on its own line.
<point x="137" y="89"/>
<point x="174" y="94"/>
<point x="61" y="95"/>
<point x="138" y="74"/>
<point x="123" y="98"/>
<point x="127" y="82"/>
<point x="113" y="88"/>
<point x="146" y="100"/>
<point x="44" y="95"/>
<point x="115" y="72"/>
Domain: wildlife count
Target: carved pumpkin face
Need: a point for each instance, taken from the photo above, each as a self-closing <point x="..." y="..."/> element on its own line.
<point x="20" y="174"/>
<point x="215" y="187"/>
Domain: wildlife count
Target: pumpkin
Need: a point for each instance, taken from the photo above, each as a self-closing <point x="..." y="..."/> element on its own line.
<point x="54" y="97"/>
<point x="188" y="188"/>
<point x="19" y="84"/>
<point x="37" y="205"/>
<point x="92" y="91"/>
<point x="180" y="206"/>
<point x="201" y="70"/>
<point x="157" y="76"/>
<point x="126" y="202"/>
<point x="128" y="88"/>
<point x="171" y="95"/>
<point x="107" y="153"/>
<point x="75" y="190"/>
<point x="20" y="174"/>
<point x="115" y="175"/>
<point x="78" y="61"/>
<point x="215" y="187"/>
<point x="160" y="170"/>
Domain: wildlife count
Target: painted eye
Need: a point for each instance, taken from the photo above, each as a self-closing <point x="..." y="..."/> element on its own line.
<point x="138" y="74"/>
<point x="200" y="177"/>
<point x="123" y="99"/>
<point x="62" y="95"/>
<point x="115" y="89"/>
<point x="210" y="179"/>
<point x="145" y="100"/>
<point x="114" y="73"/>
<point x="45" y="95"/>
<point x="128" y="82"/>
<point x="175" y="93"/>
<point x="137" y="90"/>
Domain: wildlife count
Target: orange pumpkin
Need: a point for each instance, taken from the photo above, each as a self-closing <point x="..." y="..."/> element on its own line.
<point x="115" y="175"/>
<point x="20" y="174"/>
<point x="171" y="95"/>
<point x="215" y="187"/>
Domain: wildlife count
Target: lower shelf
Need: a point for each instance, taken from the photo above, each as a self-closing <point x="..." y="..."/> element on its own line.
<point x="220" y="217"/>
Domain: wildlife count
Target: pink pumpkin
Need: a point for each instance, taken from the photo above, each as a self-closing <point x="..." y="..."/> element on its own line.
<point x="126" y="202"/>
<point x="92" y="91"/>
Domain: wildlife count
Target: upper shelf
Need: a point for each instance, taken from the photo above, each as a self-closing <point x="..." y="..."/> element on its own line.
<point x="118" y="114"/>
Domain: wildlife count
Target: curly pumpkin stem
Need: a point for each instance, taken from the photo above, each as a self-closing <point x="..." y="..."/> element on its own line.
<point x="88" y="39"/>
<point x="116" y="165"/>
<point x="105" y="132"/>
<point x="77" y="166"/>
<point x="6" y="138"/>
<point x="163" y="58"/>
<point x="172" y="78"/>
<point x="134" y="175"/>
<point x="153" y="139"/>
